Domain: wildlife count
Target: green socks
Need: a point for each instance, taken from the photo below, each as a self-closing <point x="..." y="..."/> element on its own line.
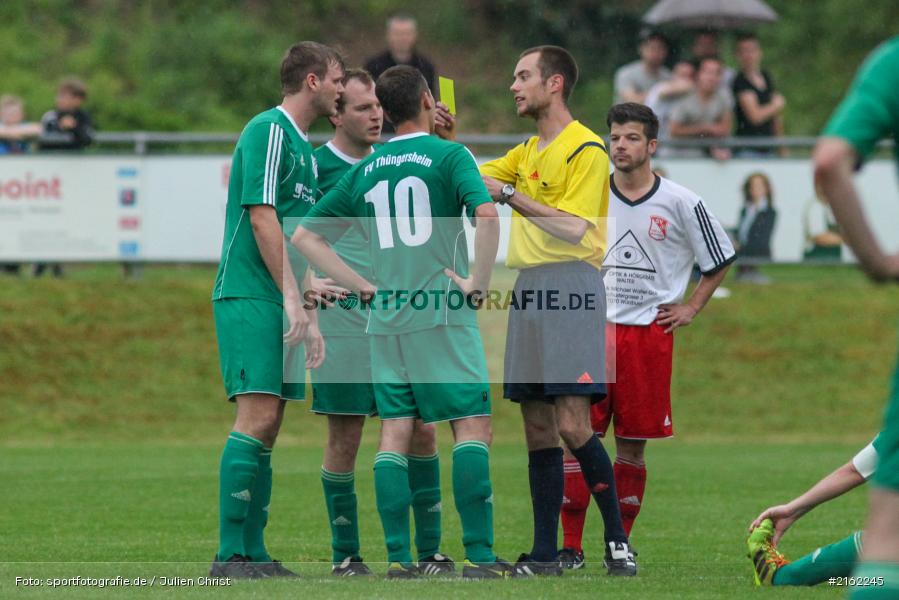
<point x="474" y="499"/>
<point x="340" y="498"/>
<point x="886" y="574"/>
<point x="257" y="516"/>
<point x="237" y="479"/>
<point x="393" y="499"/>
<point x="424" y="481"/>
<point x="834" y="560"/>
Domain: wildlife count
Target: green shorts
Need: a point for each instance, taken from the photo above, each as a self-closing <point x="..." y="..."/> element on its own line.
<point x="252" y="353"/>
<point x="342" y="385"/>
<point x="437" y="374"/>
<point x="887" y="443"/>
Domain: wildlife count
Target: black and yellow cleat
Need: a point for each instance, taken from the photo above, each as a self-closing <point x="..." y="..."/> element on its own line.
<point x="498" y="569"/>
<point x="398" y="570"/>
<point x="766" y="560"/>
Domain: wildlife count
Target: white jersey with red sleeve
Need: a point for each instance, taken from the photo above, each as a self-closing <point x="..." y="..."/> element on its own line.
<point x="657" y="240"/>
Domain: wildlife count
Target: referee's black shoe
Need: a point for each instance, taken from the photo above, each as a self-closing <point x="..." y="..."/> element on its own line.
<point x="528" y="567"/>
<point x="619" y="560"/>
<point x="236" y="567"/>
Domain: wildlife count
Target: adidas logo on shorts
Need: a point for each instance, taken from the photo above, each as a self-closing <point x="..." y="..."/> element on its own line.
<point x="242" y="495"/>
<point x="436" y="508"/>
<point x="341" y="520"/>
<point x="632" y="500"/>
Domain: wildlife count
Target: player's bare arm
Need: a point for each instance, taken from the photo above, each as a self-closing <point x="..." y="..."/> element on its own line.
<point x="314" y="342"/>
<point x="681" y="315"/>
<point x="557" y="223"/>
<point x="486" y="244"/>
<point x="833" y="485"/>
<point x="270" y="240"/>
<point x="315" y="248"/>
<point x="834" y="162"/>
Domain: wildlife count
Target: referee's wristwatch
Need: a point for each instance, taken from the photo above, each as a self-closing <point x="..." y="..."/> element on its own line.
<point x="506" y="193"/>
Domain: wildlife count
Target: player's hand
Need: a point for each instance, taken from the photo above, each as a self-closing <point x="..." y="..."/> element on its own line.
<point x="297" y="320"/>
<point x="674" y="316"/>
<point x="315" y="347"/>
<point x="325" y="291"/>
<point x="494" y="187"/>
<point x="474" y="291"/>
<point x="782" y="515"/>
<point x="68" y="122"/>
<point x="444" y="122"/>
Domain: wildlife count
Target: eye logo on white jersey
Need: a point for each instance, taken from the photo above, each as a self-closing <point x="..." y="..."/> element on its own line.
<point x="628" y="253"/>
<point x="658" y="227"/>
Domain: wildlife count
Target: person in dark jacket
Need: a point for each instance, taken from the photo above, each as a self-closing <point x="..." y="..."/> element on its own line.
<point x="68" y="126"/>
<point x="753" y="233"/>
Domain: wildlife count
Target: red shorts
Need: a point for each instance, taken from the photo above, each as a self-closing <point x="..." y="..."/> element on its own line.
<point x="639" y="400"/>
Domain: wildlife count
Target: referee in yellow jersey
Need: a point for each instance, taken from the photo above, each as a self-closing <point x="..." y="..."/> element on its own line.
<point x="557" y="184"/>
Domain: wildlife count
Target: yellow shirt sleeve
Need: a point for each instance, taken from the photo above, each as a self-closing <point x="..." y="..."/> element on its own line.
<point x="587" y="185"/>
<point x="504" y="168"/>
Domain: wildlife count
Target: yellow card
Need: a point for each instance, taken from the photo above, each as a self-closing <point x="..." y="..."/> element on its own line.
<point x="448" y="94"/>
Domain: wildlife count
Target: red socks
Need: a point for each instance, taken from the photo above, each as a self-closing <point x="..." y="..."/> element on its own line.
<point x="630" y="479"/>
<point x="574" y="505"/>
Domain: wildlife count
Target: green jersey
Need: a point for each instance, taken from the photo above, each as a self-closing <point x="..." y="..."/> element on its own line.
<point x="870" y="111"/>
<point x="407" y="201"/>
<point x="272" y="164"/>
<point x="346" y="318"/>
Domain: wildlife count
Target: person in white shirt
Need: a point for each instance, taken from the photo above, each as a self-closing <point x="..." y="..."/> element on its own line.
<point x="660" y="229"/>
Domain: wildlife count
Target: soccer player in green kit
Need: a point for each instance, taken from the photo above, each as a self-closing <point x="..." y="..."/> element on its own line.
<point x="259" y="316"/>
<point x="342" y="387"/>
<point x="869" y="113"/>
<point x="407" y="200"/>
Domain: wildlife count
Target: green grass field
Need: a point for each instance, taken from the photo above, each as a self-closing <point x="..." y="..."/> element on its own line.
<point x="112" y="420"/>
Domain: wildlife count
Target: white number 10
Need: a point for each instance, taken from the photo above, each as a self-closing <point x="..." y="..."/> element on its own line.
<point x="409" y="191"/>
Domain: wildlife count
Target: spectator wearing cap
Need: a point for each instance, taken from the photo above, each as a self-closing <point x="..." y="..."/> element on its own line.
<point x="704" y="113"/>
<point x="402" y="37"/>
<point x="68" y="126"/>
<point x="633" y="80"/>
<point x="759" y="107"/>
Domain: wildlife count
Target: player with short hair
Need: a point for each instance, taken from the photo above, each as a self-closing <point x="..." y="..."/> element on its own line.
<point x="835" y="560"/>
<point x="868" y="113"/>
<point x="557" y="183"/>
<point x="341" y="386"/>
<point x="428" y="361"/>
<point x="661" y="229"/>
<point x="259" y="316"/>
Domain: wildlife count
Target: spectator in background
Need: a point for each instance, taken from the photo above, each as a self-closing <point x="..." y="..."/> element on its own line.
<point x="68" y="126"/>
<point x="15" y="132"/>
<point x="823" y="242"/>
<point x="705" y="45"/>
<point x="705" y="112"/>
<point x="402" y="36"/>
<point x="754" y="229"/>
<point x="758" y="107"/>
<point x="664" y="95"/>
<point x="634" y="80"/>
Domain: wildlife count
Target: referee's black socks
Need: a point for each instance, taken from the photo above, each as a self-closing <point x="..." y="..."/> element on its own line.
<point x="600" y="477"/>
<point x="547" y="479"/>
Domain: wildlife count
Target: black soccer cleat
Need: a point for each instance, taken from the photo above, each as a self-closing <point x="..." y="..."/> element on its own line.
<point x="528" y="567"/>
<point x="569" y="558"/>
<point x="437" y="564"/>
<point x="274" y="569"/>
<point x="351" y="566"/>
<point x="619" y="560"/>
<point x="398" y="570"/>
<point x="498" y="569"/>
<point x="236" y="567"/>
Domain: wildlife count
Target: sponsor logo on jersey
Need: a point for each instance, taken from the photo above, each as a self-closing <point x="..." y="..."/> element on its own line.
<point x="534" y="176"/>
<point x="628" y="253"/>
<point x="658" y="227"/>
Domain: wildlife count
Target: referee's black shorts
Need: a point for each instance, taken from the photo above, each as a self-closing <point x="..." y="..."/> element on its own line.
<point x="555" y="345"/>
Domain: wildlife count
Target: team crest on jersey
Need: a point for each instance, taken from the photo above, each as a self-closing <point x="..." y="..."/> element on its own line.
<point x="658" y="227"/>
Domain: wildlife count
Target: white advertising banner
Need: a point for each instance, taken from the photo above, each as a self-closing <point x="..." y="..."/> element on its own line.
<point x="171" y="208"/>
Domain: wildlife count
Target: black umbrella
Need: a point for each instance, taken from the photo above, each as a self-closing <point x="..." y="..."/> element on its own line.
<point x="710" y="14"/>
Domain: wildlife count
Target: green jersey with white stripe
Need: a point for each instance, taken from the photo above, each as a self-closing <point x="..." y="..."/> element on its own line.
<point x="345" y="319"/>
<point x="407" y="200"/>
<point x="273" y="164"/>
